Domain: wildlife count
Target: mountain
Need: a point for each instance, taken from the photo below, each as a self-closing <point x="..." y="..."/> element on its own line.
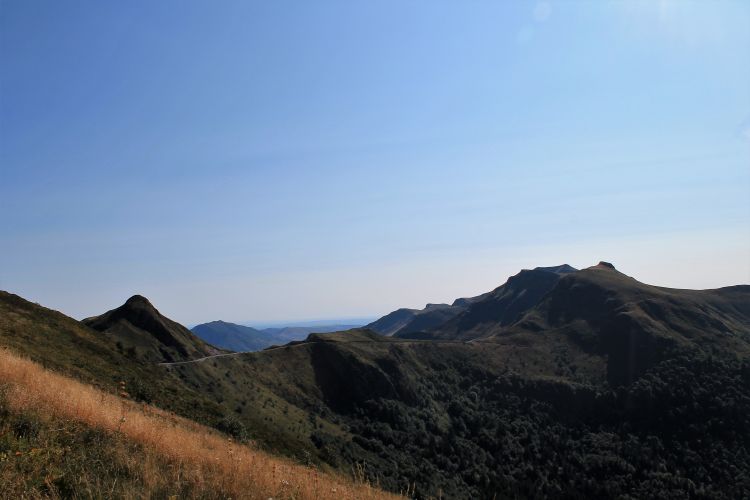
<point x="241" y="338"/>
<point x="392" y="322"/>
<point x="517" y="295"/>
<point x="233" y="337"/>
<point x="557" y="384"/>
<point x="635" y="326"/>
<point x="431" y="315"/>
<point x="138" y="327"/>
<point x="404" y="321"/>
<point x="565" y="384"/>
<point x="500" y="307"/>
<point x="605" y="314"/>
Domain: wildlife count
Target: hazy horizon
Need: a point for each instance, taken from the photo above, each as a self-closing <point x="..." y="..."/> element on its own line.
<point x="165" y="303"/>
<point x="260" y="162"/>
<point x="260" y="325"/>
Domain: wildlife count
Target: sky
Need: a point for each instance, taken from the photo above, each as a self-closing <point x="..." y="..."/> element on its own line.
<point x="294" y="160"/>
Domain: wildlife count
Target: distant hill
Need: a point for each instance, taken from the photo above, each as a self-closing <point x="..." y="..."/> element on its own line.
<point x="139" y="327"/>
<point x="286" y="334"/>
<point x="233" y="337"/>
<point x="240" y="338"/>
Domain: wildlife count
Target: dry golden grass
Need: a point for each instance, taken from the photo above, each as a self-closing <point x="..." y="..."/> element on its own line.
<point x="211" y="463"/>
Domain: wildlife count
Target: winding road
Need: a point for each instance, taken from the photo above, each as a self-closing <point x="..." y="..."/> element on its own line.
<point x="286" y="346"/>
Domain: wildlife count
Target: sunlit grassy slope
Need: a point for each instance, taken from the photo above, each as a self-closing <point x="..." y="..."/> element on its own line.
<point x="71" y="348"/>
<point x="60" y="437"/>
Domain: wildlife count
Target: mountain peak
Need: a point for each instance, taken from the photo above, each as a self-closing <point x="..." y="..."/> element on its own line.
<point x="605" y="264"/>
<point x="138" y="324"/>
<point x="561" y="269"/>
<point x="138" y="300"/>
<point x="431" y="306"/>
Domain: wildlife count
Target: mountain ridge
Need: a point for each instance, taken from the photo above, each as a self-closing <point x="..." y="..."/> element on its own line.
<point x="502" y="306"/>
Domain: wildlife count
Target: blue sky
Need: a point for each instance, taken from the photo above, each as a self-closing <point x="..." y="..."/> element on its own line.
<point x="262" y="161"/>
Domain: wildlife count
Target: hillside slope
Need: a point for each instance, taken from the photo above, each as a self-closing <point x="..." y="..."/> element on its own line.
<point x="62" y="438"/>
<point x="393" y="321"/>
<point x="70" y="347"/>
